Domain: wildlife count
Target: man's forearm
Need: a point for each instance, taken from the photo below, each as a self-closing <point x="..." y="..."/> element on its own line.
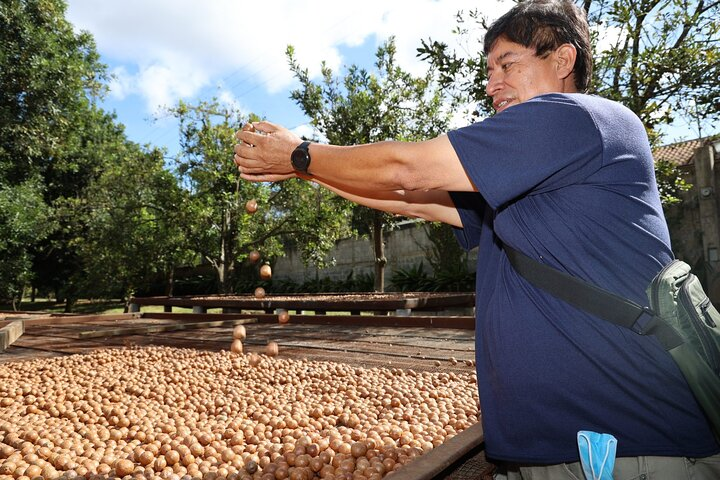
<point x="434" y="206"/>
<point x="392" y="166"/>
<point x="377" y="166"/>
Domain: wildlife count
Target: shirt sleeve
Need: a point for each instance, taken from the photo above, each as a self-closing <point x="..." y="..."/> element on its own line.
<point x="534" y="147"/>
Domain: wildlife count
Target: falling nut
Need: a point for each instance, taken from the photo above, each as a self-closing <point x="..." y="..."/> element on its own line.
<point x="251" y="206"/>
<point x="272" y="349"/>
<point x="239" y="332"/>
<point x="266" y="272"/>
<point x="236" y="346"/>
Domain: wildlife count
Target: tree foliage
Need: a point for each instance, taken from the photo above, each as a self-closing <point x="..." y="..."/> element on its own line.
<point x="49" y="76"/>
<point x="87" y="212"/>
<point x="661" y="58"/>
<point x="365" y="107"/>
<point x="215" y="220"/>
<point x="93" y="145"/>
<point x="132" y="235"/>
<point x="47" y="72"/>
<point x="24" y="220"/>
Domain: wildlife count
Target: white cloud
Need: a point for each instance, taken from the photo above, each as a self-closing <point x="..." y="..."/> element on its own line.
<point x="162" y="84"/>
<point x="178" y="47"/>
<point x="226" y="97"/>
<point x="122" y="83"/>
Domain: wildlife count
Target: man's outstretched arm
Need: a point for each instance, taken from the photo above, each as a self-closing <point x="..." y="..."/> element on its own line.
<point x="264" y="154"/>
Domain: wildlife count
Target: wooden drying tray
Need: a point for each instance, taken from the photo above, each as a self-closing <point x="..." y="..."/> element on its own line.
<point x="336" y="302"/>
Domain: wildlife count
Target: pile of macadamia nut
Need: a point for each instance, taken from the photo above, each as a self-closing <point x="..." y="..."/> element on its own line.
<point x="172" y="414"/>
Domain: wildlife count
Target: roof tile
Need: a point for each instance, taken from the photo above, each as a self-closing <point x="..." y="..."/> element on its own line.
<point x="681" y="153"/>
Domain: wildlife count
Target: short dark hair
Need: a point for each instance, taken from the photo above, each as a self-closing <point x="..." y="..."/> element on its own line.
<point x="545" y="25"/>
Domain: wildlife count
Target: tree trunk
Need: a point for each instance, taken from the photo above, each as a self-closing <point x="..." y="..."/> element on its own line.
<point x="379" y="247"/>
<point x="69" y="304"/>
<point x="222" y="277"/>
<point x="20" y="297"/>
<point x="170" y="286"/>
<point x="226" y="263"/>
<point x="16" y="300"/>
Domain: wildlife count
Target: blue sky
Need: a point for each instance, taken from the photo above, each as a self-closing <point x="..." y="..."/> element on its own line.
<point x="161" y="51"/>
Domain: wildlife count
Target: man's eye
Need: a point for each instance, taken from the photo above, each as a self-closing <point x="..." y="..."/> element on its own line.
<point x="505" y="66"/>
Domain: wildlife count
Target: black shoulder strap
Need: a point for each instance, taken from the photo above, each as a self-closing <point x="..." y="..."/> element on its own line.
<point x="592" y="299"/>
<point x="577" y="292"/>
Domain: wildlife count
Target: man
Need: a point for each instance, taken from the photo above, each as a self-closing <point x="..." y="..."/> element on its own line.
<point x="568" y="179"/>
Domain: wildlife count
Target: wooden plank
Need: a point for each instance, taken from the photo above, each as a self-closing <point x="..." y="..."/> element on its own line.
<point x="33" y="322"/>
<point x="36" y="313"/>
<point x="327" y="302"/>
<point x="365" y="345"/>
<point x="198" y="316"/>
<point x="463" y="322"/>
<point x="458" y="322"/>
<point x="162" y="328"/>
<point x="11" y="332"/>
<point x="434" y="462"/>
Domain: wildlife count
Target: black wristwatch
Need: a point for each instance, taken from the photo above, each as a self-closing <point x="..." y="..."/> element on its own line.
<point x="300" y="157"/>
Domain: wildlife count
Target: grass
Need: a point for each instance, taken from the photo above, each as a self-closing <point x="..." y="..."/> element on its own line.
<point x="87" y="307"/>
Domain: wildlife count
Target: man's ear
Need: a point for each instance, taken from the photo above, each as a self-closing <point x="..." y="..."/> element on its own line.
<point x="565" y="56"/>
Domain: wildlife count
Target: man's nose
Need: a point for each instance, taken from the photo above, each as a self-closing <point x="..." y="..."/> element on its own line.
<point x="493" y="84"/>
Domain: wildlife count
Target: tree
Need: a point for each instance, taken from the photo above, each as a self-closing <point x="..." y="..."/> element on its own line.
<point x="133" y="235"/>
<point x="663" y="59"/>
<point x="46" y="73"/>
<point x="95" y="144"/>
<point x="49" y="76"/>
<point x="216" y="222"/>
<point x="23" y="220"/>
<point x="659" y="58"/>
<point x="366" y="107"/>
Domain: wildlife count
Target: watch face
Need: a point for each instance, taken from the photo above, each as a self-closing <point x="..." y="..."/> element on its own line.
<point x="300" y="159"/>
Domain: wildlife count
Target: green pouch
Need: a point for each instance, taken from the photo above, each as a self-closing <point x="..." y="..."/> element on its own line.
<point x="679" y="301"/>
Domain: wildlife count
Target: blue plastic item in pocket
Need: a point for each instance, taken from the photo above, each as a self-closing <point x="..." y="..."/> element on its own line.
<point x="597" y="454"/>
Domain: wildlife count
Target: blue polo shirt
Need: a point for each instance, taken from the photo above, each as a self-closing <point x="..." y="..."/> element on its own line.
<point x="569" y="179"/>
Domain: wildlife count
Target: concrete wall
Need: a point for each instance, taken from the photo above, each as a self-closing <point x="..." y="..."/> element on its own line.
<point x="405" y="247"/>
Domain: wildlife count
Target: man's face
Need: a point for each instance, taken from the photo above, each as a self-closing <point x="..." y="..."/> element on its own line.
<point x="516" y="74"/>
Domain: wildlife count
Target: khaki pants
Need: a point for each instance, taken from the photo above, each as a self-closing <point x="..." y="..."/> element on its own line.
<point x="626" y="468"/>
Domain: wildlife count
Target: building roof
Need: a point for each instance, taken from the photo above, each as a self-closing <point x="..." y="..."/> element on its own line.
<point x="681" y="153"/>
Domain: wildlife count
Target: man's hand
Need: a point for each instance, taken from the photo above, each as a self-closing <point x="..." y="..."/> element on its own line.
<point x="264" y="152"/>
